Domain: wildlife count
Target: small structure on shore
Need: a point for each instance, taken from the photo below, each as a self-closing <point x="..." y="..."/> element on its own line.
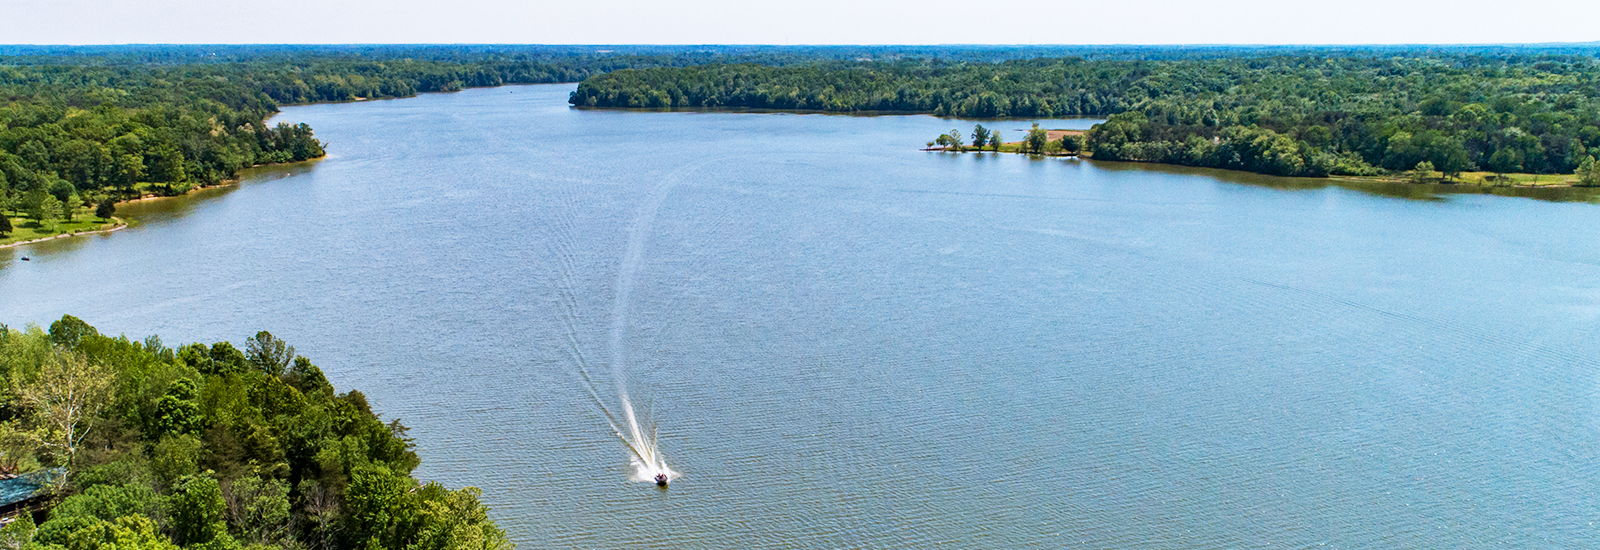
<point x="19" y="493"/>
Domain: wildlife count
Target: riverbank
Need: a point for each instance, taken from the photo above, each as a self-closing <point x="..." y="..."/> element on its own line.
<point x="115" y="224"/>
<point x="1477" y="179"/>
<point x="1487" y="180"/>
<point x="88" y="224"/>
<point x="1052" y="146"/>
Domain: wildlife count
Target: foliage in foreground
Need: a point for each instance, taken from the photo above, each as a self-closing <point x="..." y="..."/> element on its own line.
<point x="212" y="448"/>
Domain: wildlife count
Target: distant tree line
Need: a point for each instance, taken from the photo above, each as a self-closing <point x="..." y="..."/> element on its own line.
<point x="1309" y="114"/>
<point x="211" y="448"/>
<point x="86" y="125"/>
<point x="80" y="125"/>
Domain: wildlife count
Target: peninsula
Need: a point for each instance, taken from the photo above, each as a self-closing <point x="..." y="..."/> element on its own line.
<point x="1310" y="112"/>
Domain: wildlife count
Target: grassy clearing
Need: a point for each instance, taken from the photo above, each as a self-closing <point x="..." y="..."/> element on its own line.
<point x="27" y="229"/>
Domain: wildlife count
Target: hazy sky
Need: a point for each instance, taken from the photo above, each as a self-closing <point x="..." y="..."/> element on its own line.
<point x="813" y="22"/>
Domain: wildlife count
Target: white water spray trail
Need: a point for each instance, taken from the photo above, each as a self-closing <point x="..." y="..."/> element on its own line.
<point x="640" y="439"/>
<point x="647" y="459"/>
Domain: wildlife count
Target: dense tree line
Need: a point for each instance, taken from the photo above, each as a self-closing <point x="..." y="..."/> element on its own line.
<point x="211" y="447"/>
<point x="1025" y="88"/>
<point x="78" y="135"/>
<point x="80" y="125"/>
<point x="1308" y="114"/>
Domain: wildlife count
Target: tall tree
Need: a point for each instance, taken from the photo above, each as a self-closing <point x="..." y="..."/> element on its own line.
<point x="69" y="207"/>
<point x="198" y="512"/>
<point x="65" y="397"/>
<point x="48" y="211"/>
<point x="1589" y="172"/>
<point x="105" y="209"/>
<point x="1037" y="137"/>
<point x="1071" y="143"/>
<point x="268" y="354"/>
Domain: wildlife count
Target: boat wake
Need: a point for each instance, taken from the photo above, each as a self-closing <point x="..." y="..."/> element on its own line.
<point x="638" y="433"/>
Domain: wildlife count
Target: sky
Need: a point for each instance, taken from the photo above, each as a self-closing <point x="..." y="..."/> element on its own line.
<point x="784" y="23"/>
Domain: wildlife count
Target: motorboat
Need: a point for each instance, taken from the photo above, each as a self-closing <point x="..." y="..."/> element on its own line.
<point x="661" y="479"/>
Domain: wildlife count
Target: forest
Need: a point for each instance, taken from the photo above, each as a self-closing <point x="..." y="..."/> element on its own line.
<point x="1302" y="113"/>
<point x="210" y="447"/>
<point x="86" y="125"/>
<point x="74" y="136"/>
<point x="82" y="126"/>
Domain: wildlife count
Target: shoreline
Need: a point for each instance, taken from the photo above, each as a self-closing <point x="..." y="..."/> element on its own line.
<point x="1401" y="180"/>
<point x="1559" y="181"/>
<point x="1012" y="151"/>
<point x="120" y="225"/>
<point x="769" y="110"/>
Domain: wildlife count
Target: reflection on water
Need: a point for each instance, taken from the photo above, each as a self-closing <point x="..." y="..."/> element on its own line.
<point x="152" y="210"/>
<point x="164" y="208"/>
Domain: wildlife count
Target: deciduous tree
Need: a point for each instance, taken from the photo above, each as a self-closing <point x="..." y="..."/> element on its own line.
<point x="198" y="511"/>
<point x="1422" y="173"/>
<point x="48" y="211"/>
<point x="268" y="354"/>
<point x="105" y="209"/>
<point x="1037" y="137"/>
<point x="1589" y="173"/>
<point x="1071" y="143"/>
<point x="65" y="398"/>
<point x="980" y="136"/>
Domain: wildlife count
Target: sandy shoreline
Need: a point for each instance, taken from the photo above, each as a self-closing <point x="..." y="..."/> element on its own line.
<point x="155" y="197"/>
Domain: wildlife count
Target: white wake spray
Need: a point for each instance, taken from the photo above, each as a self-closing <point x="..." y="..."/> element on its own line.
<point x="646" y="455"/>
<point x="647" y="460"/>
<point x="641" y="440"/>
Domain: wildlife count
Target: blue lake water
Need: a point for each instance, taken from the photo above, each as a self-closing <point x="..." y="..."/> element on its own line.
<point x="849" y="343"/>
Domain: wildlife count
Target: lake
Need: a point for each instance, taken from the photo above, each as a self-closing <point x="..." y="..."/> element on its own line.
<point x="845" y="342"/>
